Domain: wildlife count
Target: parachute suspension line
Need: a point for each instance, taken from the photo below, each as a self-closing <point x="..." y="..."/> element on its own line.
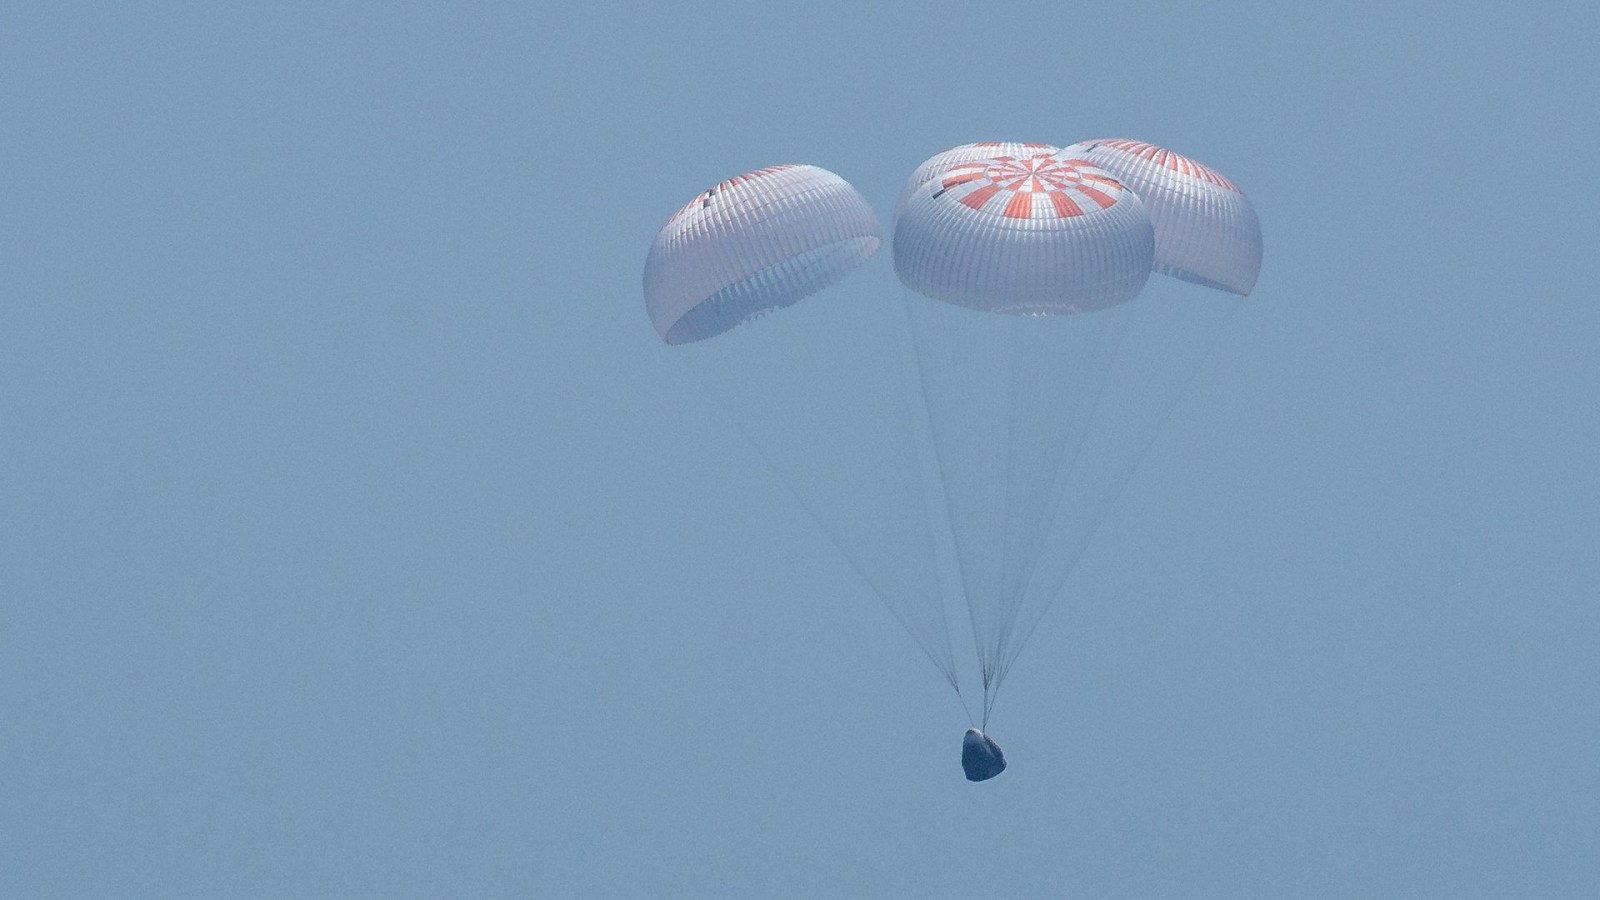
<point x="1041" y="454"/>
<point x="1060" y="453"/>
<point x="1103" y="345"/>
<point x="988" y="706"/>
<point x="967" y="709"/>
<point x="940" y="467"/>
<point x="928" y="511"/>
<point x="1138" y="460"/>
<point x="989" y="702"/>
<point x="945" y="666"/>
<point x="1014" y="423"/>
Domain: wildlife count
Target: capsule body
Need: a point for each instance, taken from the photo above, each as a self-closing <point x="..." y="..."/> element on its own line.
<point x="981" y="758"/>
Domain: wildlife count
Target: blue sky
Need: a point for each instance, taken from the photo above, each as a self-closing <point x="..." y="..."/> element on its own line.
<point x="358" y="537"/>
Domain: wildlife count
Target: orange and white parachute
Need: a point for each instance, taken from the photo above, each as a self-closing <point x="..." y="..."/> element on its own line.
<point x="1206" y="229"/>
<point x="1037" y="233"/>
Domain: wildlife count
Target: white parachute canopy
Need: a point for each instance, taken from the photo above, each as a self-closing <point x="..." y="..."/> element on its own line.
<point x="1206" y="229"/>
<point x="754" y="243"/>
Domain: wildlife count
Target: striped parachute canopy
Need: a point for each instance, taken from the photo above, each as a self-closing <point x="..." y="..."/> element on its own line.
<point x="1043" y="233"/>
<point x="1206" y="230"/>
<point x="758" y="242"/>
<point x="941" y="162"/>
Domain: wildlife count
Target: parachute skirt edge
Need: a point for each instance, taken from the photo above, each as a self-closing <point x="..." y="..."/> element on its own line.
<point x="776" y="287"/>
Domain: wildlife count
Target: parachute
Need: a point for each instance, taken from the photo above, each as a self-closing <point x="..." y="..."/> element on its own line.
<point x="1029" y="366"/>
<point x="1040" y="235"/>
<point x="1206" y="229"/>
<point x="754" y="243"/>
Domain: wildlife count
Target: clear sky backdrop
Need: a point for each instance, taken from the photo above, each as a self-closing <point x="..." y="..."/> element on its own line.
<point x="359" y="538"/>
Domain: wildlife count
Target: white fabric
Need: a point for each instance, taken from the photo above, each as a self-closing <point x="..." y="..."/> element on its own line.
<point x="940" y="162"/>
<point x="1040" y="235"/>
<point x="1206" y="230"/>
<point x="755" y="243"/>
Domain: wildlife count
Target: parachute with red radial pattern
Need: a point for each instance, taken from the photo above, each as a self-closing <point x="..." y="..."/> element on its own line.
<point x="1040" y="233"/>
<point x="1206" y="230"/>
<point x="940" y="162"/>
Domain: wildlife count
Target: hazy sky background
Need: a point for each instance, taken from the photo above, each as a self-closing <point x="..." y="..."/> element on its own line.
<point x="359" y="538"/>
